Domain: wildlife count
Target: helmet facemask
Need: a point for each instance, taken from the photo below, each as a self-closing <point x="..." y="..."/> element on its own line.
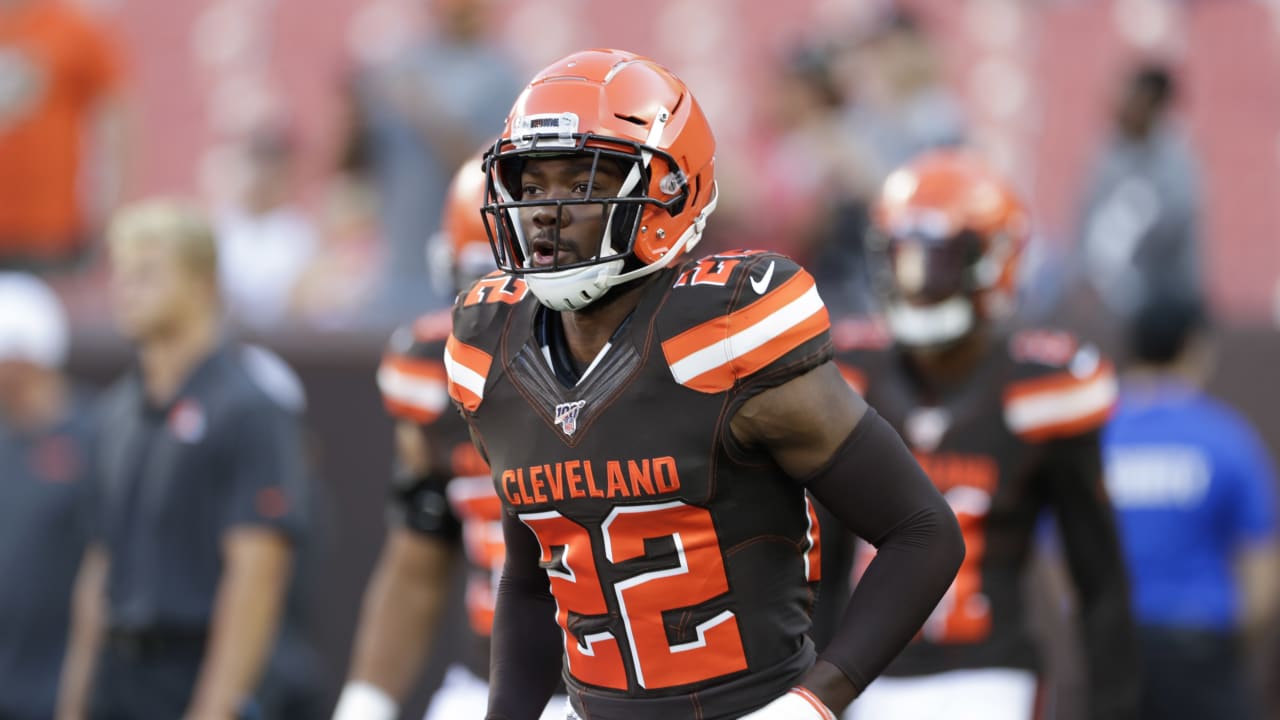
<point x="573" y="285"/>
<point x="936" y="290"/>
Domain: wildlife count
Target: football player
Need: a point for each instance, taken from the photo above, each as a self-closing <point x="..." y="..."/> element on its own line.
<point x="442" y="501"/>
<point x="653" y="422"/>
<point x="1006" y="423"/>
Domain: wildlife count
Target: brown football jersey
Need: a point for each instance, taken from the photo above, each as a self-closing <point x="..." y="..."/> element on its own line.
<point x="455" y="499"/>
<point x="1018" y="437"/>
<point x="683" y="565"/>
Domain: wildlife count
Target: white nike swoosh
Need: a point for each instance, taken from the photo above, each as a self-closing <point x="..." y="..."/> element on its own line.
<point x="763" y="283"/>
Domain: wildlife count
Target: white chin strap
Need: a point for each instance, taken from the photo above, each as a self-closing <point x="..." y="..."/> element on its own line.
<point x="577" y="288"/>
<point x="573" y="289"/>
<point x="937" y="324"/>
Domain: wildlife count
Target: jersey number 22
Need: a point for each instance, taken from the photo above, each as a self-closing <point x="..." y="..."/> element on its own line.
<point x="642" y="598"/>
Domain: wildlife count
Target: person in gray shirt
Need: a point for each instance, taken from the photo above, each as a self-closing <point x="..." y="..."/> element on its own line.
<point x="415" y="116"/>
<point x="200" y="498"/>
<point x="1139" y="232"/>
<point x="46" y="432"/>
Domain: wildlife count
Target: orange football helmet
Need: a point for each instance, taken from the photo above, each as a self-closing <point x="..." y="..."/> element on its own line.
<point x="614" y="105"/>
<point x="459" y="252"/>
<point x="947" y="234"/>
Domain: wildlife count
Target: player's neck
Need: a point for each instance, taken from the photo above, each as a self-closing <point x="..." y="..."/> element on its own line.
<point x="952" y="365"/>
<point x="168" y="359"/>
<point x="587" y="331"/>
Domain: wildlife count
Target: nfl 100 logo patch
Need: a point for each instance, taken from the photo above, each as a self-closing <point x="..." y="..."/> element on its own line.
<point x="567" y="415"/>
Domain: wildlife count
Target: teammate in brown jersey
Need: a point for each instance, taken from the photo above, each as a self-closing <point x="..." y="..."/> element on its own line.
<point x="442" y="501"/>
<point x="1006" y="424"/>
<point x="652" y="424"/>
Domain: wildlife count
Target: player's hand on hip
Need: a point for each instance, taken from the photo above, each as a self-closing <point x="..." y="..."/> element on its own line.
<point x="797" y="704"/>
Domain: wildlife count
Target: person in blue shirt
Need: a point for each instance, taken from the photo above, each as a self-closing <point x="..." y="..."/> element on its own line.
<point x="46" y="435"/>
<point x="1195" y="492"/>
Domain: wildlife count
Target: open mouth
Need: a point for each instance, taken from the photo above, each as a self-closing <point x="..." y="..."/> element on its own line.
<point x="544" y="253"/>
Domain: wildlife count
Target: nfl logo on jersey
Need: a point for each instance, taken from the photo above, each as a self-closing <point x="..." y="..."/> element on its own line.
<point x="567" y="415"/>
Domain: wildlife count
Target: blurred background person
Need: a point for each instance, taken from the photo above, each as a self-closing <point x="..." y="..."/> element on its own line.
<point x="199" y="497"/>
<point x="60" y="82"/>
<point x="851" y="109"/>
<point x="442" y="507"/>
<point x="818" y="176"/>
<point x="46" y="436"/>
<point x="1195" y="493"/>
<point x="265" y="239"/>
<point x="414" y="119"/>
<point x="1006" y="422"/>
<point x="338" y="286"/>
<point x="898" y="105"/>
<point x="1140" y="227"/>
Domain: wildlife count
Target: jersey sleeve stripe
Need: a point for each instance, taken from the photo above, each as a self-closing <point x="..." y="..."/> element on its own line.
<point x="1060" y="405"/>
<point x="718" y="328"/>
<point x="412" y="389"/>
<point x="813" y="325"/>
<point x="467" y="369"/>
<point x="715" y="354"/>
<point x="413" y="394"/>
<point x="468" y="488"/>
<point x="473" y="498"/>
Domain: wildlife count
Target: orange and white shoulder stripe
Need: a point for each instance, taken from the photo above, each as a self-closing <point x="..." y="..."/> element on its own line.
<point x="1062" y="404"/>
<point x="712" y="356"/>
<point x="413" y="388"/>
<point x="467" y="367"/>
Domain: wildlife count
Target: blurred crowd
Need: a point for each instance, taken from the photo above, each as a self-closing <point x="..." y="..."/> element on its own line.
<point x="329" y="234"/>
<point x="340" y="238"/>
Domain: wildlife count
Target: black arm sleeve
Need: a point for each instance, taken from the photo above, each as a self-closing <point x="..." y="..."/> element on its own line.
<point x="525" y="659"/>
<point x="874" y="486"/>
<point x="1073" y="481"/>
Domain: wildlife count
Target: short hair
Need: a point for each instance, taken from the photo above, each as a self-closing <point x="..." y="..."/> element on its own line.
<point x="1163" y="326"/>
<point x="180" y="222"/>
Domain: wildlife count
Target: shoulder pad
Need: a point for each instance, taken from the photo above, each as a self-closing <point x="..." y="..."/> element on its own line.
<point x="486" y="304"/>
<point x="411" y="375"/>
<point x="740" y="315"/>
<point x="1060" y="387"/>
<point x="479" y="315"/>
